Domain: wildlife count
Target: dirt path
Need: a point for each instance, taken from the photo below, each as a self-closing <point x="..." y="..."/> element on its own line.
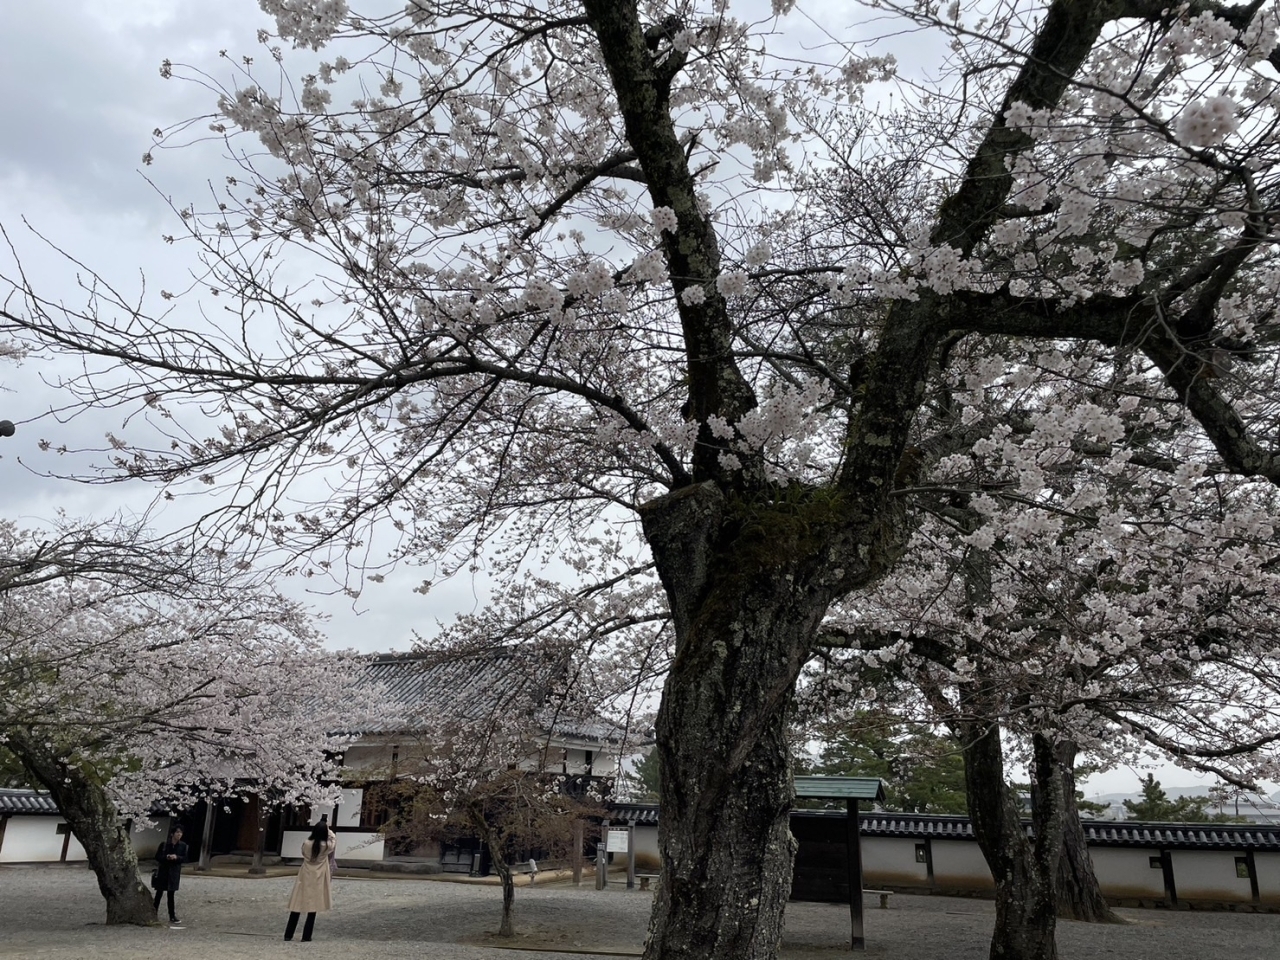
<point x="55" y="913"/>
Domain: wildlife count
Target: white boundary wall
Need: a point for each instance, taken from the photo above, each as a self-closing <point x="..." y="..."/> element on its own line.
<point x="352" y="845"/>
<point x="1127" y="874"/>
<point x="35" y="839"/>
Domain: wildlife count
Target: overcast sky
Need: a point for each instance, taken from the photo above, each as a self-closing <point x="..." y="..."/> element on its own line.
<point x="82" y="93"/>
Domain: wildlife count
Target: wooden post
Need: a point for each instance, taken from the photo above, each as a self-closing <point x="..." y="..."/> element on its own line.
<point x="258" y="867"/>
<point x="602" y="857"/>
<point x="1253" y="872"/>
<point x="1166" y="868"/>
<point x="576" y="860"/>
<point x="65" y="830"/>
<point x="853" y="861"/>
<point x="601" y="867"/>
<point x="631" y="854"/>
<point x="206" y="836"/>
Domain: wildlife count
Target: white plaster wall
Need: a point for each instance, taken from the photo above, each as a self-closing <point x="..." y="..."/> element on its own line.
<point x="1268" y="866"/>
<point x="349" y="808"/>
<point x="1209" y="875"/>
<point x="375" y="758"/>
<point x="646" y="840"/>
<point x="291" y="843"/>
<point x="352" y="845"/>
<point x="1127" y="873"/>
<point x="959" y="864"/>
<point x="892" y="861"/>
<point x="146" y="839"/>
<point x="75" y="851"/>
<point x="36" y="840"/>
<point x="365" y="845"/>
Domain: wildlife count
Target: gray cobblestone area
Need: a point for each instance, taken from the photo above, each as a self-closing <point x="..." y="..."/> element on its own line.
<point x="55" y="913"/>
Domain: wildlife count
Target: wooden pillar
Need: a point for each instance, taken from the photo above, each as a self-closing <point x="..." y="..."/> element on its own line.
<point x="65" y="830"/>
<point x="1166" y="868"/>
<point x="853" y="862"/>
<point x="602" y="857"/>
<point x="206" y="836"/>
<point x="258" y="868"/>
<point x="631" y="854"/>
<point x="576" y="860"/>
<point x="1253" y="872"/>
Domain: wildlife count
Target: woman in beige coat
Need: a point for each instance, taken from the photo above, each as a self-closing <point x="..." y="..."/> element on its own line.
<point x="311" y="889"/>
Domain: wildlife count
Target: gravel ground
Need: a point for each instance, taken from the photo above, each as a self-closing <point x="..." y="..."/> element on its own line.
<point x="55" y="913"/>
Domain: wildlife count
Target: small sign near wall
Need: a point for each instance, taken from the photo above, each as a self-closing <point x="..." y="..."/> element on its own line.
<point x="616" y="842"/>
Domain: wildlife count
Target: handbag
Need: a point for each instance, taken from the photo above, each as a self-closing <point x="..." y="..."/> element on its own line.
<point x="333" y="862"/>
<point x="155" y="879"/>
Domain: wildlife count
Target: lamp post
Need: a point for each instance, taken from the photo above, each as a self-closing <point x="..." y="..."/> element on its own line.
<point x="6" y="428"/>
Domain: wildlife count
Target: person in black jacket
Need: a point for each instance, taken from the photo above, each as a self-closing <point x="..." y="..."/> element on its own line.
<point x="170" y="856"/>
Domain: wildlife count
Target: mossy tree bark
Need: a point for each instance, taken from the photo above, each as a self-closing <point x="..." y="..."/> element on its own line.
<point x="83" y="802"/>
<point x="747" y="598"/>
<point x="1025" y="869"/>
<point x="1079" y="896"/>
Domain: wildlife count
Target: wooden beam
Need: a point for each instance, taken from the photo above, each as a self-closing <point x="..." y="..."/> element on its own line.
<point x="853" y="862"/>
<point x="206" y="836"/>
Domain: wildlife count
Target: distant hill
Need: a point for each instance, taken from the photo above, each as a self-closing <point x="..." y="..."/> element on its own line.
<point x="1265" y="809"/>
<point x="1196" y="791"/>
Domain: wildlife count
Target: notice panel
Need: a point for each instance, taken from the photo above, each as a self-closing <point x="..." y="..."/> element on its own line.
<point x="616" y="842"/>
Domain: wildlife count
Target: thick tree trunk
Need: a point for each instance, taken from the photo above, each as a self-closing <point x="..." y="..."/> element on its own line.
<point x="1024" y="870"/>
<point x="744" y="620"/>
<point x="95" y="822"/>
<point x="1079" y="896"/>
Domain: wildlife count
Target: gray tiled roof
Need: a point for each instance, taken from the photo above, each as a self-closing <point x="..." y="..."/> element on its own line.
<point x="877" y="824"/>
<point x="1234" y="835"/>
<point x="639" y="812"/>
<point x="26" y="801"/>
<point x="1132" y="833"/>
<point x="1112" y="833"/>
<point x="472" y="686"/>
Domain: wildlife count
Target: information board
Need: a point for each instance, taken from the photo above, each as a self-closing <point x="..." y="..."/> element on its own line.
<point x="616" y="842"/>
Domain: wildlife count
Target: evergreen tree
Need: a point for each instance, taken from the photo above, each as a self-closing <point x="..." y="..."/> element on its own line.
<point x="647" y="776"/>
<point x="923" y="772"/>
<point x="1156" y="805"/>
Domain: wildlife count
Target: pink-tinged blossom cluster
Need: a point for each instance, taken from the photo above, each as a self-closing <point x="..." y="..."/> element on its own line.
<point x="1206" y="123"/>
<point x="309" y="23"/>
<point x="1090" y="591"/>
<point x="664" y="219"/>
<point x="164" y="688"/>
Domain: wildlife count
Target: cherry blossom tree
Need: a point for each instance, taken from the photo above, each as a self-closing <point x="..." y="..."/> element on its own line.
<point x="127" y="680"/>
<point x="506" y="273"/>
<point x="481" y="752"/>
<point x="473" y="780"/>
<point x="1076" y="603"/>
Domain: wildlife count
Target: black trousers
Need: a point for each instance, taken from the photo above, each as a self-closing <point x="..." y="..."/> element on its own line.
<point x="159" y="894"/>
<point x="307" y="927"/>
